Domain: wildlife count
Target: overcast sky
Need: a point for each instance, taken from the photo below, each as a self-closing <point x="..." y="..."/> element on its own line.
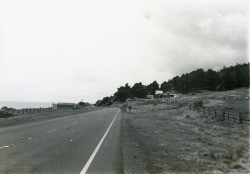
<point x="68" y="50"/>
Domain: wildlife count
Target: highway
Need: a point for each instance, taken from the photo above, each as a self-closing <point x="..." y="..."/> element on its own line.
<point x="83" y="143"/>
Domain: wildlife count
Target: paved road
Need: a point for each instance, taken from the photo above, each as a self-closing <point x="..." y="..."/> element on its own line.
<point x="64" y="145"/>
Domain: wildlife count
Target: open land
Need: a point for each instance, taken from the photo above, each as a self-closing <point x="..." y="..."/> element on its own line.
<point x="155" y="137"/>
<point x="159" y="138"/>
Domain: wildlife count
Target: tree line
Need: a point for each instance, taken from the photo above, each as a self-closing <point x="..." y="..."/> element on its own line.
<point x="227" y="78"/>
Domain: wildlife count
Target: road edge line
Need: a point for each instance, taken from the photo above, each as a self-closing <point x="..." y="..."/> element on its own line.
<point x="85" y="168"/>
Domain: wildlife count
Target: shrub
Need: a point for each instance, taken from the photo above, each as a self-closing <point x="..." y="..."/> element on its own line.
<point x="198" y="103"/>
<point x="5" y="114"/>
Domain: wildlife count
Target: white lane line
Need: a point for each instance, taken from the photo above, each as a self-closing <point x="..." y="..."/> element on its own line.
<point x="4" y="147"/>
<point x="29" y="139"/>
<point x="84" y="170"/>
<point x="51" y="131"/>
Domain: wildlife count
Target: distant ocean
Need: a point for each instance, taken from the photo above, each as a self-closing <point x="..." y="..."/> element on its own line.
<point x="21" y="105"/>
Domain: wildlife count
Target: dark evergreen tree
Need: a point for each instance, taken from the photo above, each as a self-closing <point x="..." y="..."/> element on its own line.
<point x="123" y="93"/>
<point x="152" y="87"/>
<point x="139" y="90"/>
<point x="166" y="86"/>
<point x="212" y="80"/>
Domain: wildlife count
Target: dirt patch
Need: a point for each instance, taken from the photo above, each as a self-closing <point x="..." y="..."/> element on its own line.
<point x="179" y="140"/>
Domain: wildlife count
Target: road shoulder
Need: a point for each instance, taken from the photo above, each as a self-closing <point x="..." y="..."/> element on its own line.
<point x="135" y="159"/>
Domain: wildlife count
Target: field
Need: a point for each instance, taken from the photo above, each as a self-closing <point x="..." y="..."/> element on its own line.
<point x="170" y="139"/>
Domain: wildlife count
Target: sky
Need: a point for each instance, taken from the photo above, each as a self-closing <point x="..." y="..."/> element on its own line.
<point x="73" y="50"/>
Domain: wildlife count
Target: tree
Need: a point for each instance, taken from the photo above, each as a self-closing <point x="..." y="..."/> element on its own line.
<point x="174" y="82"/>
<point x="166" y="86"/>
<point x="83" y="104"/>
<point x="97" y="102"/>
<point x="123" y="93"/>
<point x="139" y="90"/>
<point x="152" y="87"/>
<point x="182" y="85"/>
<point x="227" y="80"/>
<point x="106" y="101"/>
<point x="212" y="80"/>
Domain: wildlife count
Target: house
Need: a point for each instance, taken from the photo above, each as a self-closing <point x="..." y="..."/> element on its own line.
<point x="158" y="93"/>
<point x="63" y="106"/>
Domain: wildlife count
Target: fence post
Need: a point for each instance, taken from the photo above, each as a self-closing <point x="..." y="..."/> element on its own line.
<point x="240" y="118"/>
<point x="223" y="115"/>
<point x="198" y="110"/>
<point x="215" y="113"/>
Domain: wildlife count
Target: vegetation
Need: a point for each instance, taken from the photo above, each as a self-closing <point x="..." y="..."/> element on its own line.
<point x="4" y="112"/>
<point x="83" y="104"/>
<point x="226" y="79"/>
<point x="106" y="101"/>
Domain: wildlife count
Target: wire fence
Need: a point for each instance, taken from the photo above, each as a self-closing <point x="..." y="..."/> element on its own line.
<point x="30" y="111"/>
<point x="219" y="114"/>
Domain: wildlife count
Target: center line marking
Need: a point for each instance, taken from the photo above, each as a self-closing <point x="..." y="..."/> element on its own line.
<point x="4" y="147"/>
<point x="51" y="131"/>
<point x="85" y="168"/>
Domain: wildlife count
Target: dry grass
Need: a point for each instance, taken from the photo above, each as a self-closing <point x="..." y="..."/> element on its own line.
<point x="182" y="141"/>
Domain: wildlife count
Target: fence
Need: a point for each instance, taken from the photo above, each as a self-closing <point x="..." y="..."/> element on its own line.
<point x="222" y="115"/>
<point x="30" y="111"/>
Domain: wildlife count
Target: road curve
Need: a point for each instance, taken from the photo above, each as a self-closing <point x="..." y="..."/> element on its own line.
<point x="63" y="145"/>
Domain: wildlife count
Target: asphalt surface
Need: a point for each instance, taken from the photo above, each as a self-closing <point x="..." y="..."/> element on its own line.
<point x="63" y="145"/>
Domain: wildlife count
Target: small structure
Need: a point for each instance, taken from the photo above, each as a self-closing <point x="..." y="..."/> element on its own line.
<point x="63" y="106"/>
<point x="172" y="95"/>
<point x="150" y="96"/>
<point x="169" y="95"/>
<point x="158" y="93"/>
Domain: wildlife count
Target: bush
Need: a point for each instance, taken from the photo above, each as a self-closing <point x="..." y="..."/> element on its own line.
<point x="198" y="104"/>
<point x="5" y="114"/>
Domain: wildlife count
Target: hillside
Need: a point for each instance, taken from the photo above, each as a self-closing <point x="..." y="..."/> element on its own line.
<point x="166" y="138"/>
<point x="228" y="78"/>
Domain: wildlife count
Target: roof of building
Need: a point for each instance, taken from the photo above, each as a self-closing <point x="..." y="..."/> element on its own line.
<point x="71" y="104"/>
